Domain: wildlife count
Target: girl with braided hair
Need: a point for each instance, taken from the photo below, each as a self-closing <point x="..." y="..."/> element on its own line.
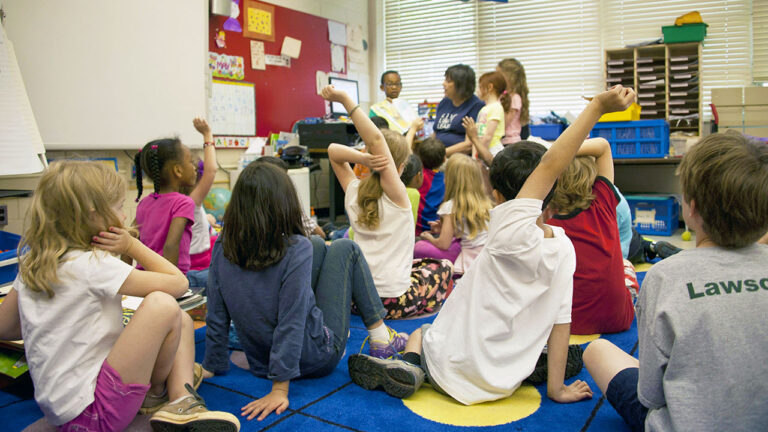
<point x="165" y="217"/>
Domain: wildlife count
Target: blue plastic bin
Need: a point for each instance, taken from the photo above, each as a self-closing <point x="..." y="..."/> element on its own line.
<point x="635" y="139"/>
<point x="9" y="262"/>
<point x="654" y="214"/>
<point x="549" y="132"/>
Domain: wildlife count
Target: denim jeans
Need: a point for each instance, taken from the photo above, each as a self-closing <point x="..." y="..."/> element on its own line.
<point x="198" y="279"/>
<point x="340" y="275"/>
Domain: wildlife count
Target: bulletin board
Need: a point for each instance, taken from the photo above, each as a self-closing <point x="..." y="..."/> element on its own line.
<point x="232" y="108"/>
<point x="283" y="94"/>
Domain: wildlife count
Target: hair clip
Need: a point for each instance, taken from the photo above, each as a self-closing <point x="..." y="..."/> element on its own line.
<point x="504" y="92"/>
<point x="139" y="150"/>
<point x="154" y="147"/>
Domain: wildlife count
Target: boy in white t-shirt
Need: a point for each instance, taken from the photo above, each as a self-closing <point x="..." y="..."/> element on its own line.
<point x="514" y="299"/>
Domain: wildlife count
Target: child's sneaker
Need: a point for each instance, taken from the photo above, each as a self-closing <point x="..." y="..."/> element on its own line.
<point x="397" y="377"/>
<point x="153" y="403"/>
<point x="191" y="414"/>
<point x="391" y="348"/>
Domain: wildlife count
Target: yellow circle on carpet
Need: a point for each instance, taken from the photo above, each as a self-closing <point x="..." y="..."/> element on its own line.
<point x="582" y="339"/>
<point x="443" y="409"/>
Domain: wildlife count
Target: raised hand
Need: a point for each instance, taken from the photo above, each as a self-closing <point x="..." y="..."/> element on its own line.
<point x="470" y="126"/>
<point x="330" y="93"/>
<point x="201" y="125"/>
<point x="618" y="98"/>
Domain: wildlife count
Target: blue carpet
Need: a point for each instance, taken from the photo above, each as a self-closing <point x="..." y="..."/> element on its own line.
<point x="334" y="403"/>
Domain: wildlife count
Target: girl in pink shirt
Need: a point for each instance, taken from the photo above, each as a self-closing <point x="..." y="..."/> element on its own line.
<point x="517" y="115"/>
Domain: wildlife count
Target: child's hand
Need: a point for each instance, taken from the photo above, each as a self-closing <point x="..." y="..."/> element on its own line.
<point x="575" y="392"/>
<point x="618" y="98"/>
<point x="426" y="235"/>
<point x="418" y="124"/>
<point x="469" y="126"/>
<point x="116" y="240"/>
<point x="201" y="125"/>
<point x="376" y="162"/>
<point x="330" y="93"/>
<point x="274" y="401"/>
<point x="436" y="226"/>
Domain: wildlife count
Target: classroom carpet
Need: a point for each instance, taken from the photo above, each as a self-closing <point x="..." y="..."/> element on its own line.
<point x="334" y="403"/>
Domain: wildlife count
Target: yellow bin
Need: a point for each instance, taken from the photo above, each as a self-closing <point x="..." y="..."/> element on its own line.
<point x="630" y="114"/>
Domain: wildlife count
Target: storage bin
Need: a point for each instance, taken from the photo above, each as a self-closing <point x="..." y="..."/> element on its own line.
<point x="9" y="261"/>
<point x="684" y="33"/>
<point x="654" y="214"/>
<point x="548" y="132"/>
<point x="629" y="114"/>
<point x="635" y="139"/>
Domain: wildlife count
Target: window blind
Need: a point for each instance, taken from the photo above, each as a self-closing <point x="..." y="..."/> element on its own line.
<point x="760" y="40"/>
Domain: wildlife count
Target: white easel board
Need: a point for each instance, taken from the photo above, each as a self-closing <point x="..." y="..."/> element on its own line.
<point x="232" y="109"/>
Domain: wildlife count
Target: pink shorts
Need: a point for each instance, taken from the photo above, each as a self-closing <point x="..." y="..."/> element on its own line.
<point x="114" y="406"/>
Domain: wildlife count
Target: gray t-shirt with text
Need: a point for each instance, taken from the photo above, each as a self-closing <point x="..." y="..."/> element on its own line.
<point x="704" y="341"/>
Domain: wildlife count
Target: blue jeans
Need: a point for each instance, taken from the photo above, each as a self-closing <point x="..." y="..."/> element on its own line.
<point x="340" y="275"/>
<point x="198" y="279"/>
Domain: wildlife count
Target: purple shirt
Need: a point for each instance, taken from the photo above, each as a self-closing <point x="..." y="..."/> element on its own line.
<point x="153" y="217"/>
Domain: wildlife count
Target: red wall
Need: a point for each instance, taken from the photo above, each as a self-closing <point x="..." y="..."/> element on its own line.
<point x="283" y="95"/>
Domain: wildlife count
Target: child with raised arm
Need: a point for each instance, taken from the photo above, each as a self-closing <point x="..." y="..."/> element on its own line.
<point x="585" y="203"/>
<point x="200" y="243"/>
<point x="701" y="313"/>
<point x="89" y="372"/>
<point x="514" y="299"/>
<point x="380" y="213"/>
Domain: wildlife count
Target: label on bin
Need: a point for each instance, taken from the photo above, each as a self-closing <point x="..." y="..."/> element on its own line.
<point x="645" y="216"/>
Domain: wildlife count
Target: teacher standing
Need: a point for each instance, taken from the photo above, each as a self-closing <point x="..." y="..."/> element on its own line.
<point x="459" y="102"/>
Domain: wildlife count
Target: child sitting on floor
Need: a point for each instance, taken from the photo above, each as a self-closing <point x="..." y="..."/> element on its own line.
<point x="431" y="151"/>
<point x="89" y="372"/>
<point x="413" y="177"/>
<point x="701" y="312"/>
<point x="288" y="296"/>
<point x="463" y="215"/>
<point x="514" y="299"/>
<point x="585" y="205"/>
<point x="165" y="217"/>
<point x="380" y="213"/>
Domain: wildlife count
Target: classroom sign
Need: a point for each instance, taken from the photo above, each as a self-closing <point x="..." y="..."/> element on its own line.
<point x="226" y="66"/>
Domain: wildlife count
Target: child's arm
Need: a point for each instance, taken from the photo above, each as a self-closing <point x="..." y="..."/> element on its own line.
<point x="276" y="400"/>
<point x="600" y="148"/>
<point x="562" y="152"/>
<point x="375" y="143"/>
<point x="173" y="239"/>
<point x="160" y="275"/>
<point x="557" y="355"/>
<point x="480" y="145"/>
<point x="462" y="147"/>
<point x="200" y="191"/>
<point x="446" y="233"/>
<point x="410" y="136"/>
<point x="10" y="320"/>
<point x="341" y="157"/>
<point x="217" y="321"/>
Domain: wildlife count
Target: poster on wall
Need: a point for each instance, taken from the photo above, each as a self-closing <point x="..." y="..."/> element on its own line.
<point x="259" y="20"/>
<point x="226" y="66"/>
<point x="257" y="55"/>
<point x="232" y="108"/>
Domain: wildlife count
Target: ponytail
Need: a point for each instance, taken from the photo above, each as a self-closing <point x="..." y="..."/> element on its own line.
<point x="139" y="175"/>
<point x="506" y="100"/>
<point x="151" y="160"/>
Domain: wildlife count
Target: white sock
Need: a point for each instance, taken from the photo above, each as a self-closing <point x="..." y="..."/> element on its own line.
<point x="179" y="399"/>
<point x="380" y="333"/>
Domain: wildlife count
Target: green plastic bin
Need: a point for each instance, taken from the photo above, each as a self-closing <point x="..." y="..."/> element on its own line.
<point x="684" y="33"/>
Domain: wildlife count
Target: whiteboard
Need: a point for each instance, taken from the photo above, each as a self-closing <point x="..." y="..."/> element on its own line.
<point x="111" y="74"/>
<point x="232" y="108"/>
<point x="20" y="141"/>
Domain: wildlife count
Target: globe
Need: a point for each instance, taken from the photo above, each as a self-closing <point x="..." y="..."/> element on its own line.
<point x="216" y="202"/>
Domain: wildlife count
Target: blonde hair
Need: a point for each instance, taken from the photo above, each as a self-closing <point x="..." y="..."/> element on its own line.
<point x="574" y="187"/>
<point x="514" y="72"/>
<point x="464" y="185"/>
<point x="370" y="187"/>
<point x="71" y="204"/>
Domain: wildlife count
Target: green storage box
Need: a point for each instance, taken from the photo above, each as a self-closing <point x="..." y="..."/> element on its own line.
<point x="684" y="33"/>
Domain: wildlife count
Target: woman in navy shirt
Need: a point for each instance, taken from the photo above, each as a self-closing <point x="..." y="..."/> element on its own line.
<point x="459" y="102"/>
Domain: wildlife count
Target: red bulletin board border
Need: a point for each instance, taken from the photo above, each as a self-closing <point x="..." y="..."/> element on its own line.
<point x="283" y="95"/>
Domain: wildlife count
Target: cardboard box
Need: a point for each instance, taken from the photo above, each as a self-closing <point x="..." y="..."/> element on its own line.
<point x="730" y="116"/>
<point x="730" y="96"/>
<point x="756" y="115"/>
<point x="756" y="96"/>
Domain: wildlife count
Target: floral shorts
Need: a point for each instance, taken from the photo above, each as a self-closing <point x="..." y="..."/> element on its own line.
<point x="431" y="283"/>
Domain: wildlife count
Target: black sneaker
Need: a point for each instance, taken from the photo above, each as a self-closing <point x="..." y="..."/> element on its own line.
<point x="665" y="249"/>
<point x="573" y="366"/>
<point x="398" y="378"/>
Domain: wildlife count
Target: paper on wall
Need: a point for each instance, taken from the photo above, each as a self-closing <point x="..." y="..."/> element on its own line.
<point x="337" y="33"/>
<point x="337" y="58"/>
<point x="257" y="55"/>
<point x="291" y="47"/>
<point x="355" y="37"/>
<point x="277" y="60"/>
<point x="321" y="80"/>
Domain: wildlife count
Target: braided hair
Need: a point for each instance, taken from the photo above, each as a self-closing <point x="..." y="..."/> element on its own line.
<point x="152" y="159"/>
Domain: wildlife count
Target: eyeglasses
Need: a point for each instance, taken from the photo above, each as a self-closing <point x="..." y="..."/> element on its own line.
<point x="397" y="84"/>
